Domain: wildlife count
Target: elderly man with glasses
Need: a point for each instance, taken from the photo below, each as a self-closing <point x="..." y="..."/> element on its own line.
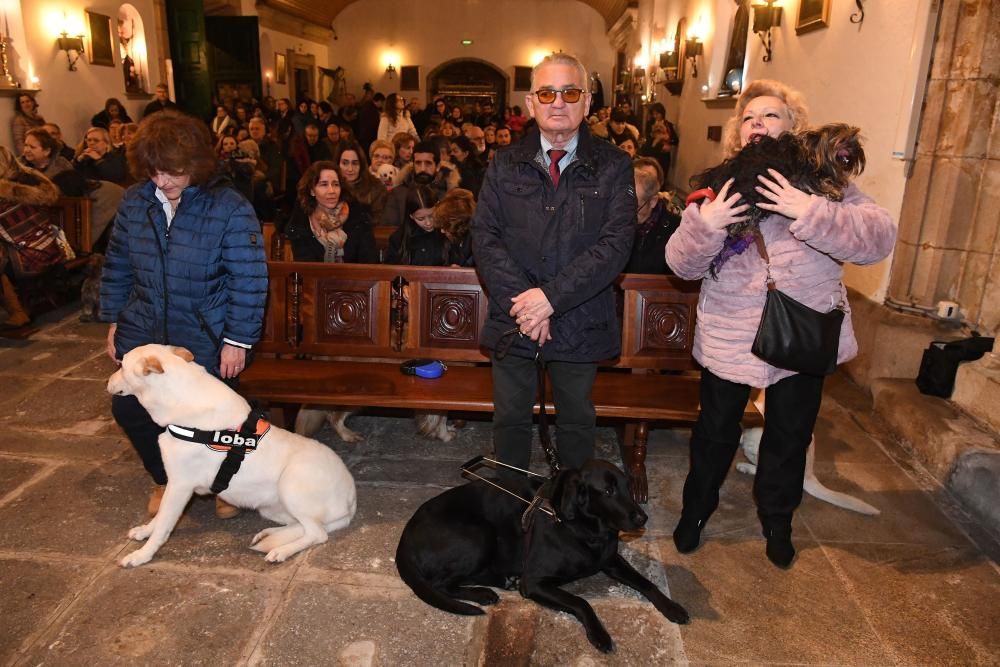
<point x="553" y="228"/>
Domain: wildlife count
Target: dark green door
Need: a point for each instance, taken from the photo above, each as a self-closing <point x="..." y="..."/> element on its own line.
<point x="189" y="52"/>
<point x="234" y="49"/>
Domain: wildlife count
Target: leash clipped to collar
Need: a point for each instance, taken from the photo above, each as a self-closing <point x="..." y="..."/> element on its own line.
<point x="540" y="502"/>
<point x="235" y="443"/>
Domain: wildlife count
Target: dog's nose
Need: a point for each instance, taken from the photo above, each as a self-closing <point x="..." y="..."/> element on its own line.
<point x="638" y="517"/>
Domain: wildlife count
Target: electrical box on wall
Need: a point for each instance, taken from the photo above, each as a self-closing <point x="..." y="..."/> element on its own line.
<point x="715" y="133"/>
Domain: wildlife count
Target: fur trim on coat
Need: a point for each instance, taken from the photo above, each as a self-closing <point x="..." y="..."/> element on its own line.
<point x="44" y="193"/>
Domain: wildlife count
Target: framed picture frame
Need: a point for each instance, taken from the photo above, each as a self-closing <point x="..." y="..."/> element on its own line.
<point x="101" y="51"/>
<point x="280" y="68"/>
<point x="813" y="15"/>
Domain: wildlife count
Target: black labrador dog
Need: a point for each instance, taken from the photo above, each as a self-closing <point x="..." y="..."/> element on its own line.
<point x="471" y="536"/>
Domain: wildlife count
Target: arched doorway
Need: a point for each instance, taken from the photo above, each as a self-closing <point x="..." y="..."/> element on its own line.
<point x="467" y="81"/>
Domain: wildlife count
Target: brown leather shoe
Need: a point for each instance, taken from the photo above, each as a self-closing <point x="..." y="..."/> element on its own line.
<point x="154" y="499"/>
<point x="224" y="510"/>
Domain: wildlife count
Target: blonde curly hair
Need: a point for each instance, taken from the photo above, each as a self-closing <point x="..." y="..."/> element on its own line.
<point x="794" y="102"/>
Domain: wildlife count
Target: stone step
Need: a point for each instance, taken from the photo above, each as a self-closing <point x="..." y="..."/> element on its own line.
<point x="963" y="455"/>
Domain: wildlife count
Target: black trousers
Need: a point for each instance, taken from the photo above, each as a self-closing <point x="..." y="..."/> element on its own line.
<point x="515" y="388"/>
<point x="790" y="411"/>
<point x="142" y="432"/>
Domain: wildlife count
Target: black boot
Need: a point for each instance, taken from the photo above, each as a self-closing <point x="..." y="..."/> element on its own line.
<point x="687" y="534"/>
<point x="779" y="546"/>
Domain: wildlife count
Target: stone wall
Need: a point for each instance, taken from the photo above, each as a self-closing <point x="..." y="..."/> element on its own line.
<point x="949" y="245"/>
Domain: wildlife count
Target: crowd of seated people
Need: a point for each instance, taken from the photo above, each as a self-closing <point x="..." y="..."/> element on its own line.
<point x="389" y="155"/>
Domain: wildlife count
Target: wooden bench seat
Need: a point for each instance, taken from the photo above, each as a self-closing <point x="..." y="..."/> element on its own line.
<point x="652" y="397"/>
<point x="361" y="316"/>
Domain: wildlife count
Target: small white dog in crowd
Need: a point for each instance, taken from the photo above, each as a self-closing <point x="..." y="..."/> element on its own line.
<point x="289" y="479"/>
<point x="311" y="420"/>
<point x="750" y="442"/>
<point x="389" y="176"/>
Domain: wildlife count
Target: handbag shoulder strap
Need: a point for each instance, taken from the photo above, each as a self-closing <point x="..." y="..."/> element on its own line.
<point x="762" y="251"/>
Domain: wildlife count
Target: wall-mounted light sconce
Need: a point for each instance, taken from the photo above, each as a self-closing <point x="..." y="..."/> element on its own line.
<point x="68" y="44"/>
<point x="766" y="17"/>
<point x="390" y="70"/>
<point x="693" y="48"/>
<point x="267" y="79"/>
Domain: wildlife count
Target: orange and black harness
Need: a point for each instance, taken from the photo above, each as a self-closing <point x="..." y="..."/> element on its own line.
<point x="235" y="443"/>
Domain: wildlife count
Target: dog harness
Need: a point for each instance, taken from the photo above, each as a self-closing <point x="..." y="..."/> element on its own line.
<point x="541" y="502"/>
<point x="235" y="443"/>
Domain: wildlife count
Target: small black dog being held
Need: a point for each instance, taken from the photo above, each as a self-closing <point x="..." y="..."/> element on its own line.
<point x="820" y="161"/>
<point x="471" y="537"/>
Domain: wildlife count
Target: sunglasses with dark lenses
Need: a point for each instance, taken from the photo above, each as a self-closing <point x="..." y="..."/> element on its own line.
<point x="548" y="96"/>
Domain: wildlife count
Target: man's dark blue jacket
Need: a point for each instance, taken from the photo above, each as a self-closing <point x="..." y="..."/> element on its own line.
<point x="572" y="242"/>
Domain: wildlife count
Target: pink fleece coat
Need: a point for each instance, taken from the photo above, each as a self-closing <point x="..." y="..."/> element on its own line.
<point x="807" y="257"/>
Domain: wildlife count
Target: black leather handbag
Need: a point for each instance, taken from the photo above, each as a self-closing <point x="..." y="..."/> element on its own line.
<point x="793" y="336"/>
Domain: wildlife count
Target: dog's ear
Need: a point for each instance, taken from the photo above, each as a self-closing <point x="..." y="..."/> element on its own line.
<point x="573" y="495"/>
<point x="150" y="365"/>
<point x="183" y="353"/>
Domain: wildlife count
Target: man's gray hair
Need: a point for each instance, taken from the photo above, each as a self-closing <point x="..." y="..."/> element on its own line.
<point x="561" y="58"/>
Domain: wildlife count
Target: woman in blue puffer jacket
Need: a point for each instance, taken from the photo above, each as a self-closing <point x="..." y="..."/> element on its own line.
<point x="185" y="266"/>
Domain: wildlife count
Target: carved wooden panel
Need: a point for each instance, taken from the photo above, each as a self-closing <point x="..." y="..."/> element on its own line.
<point x="453" y="317"/>
<point x="344" y="312"/>
<point x="665" y="326"/>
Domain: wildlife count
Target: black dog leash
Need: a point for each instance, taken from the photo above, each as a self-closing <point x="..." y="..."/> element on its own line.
<point x="551" y="454"/>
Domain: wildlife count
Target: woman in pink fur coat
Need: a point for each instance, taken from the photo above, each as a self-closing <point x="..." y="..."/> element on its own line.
<point x="808" y="238"/>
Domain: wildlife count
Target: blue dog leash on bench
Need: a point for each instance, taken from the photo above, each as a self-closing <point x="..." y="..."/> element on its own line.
<point x="540" y="502"/>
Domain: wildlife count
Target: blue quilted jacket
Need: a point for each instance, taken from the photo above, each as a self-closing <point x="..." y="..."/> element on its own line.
<point x="196" y="284"/>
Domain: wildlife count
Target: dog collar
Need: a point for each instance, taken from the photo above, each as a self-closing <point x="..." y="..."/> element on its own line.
<point x="247" y="436"/>
<point x="235" y="443"/>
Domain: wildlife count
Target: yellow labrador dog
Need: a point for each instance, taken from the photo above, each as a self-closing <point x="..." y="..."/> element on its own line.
<point x="289" y="479"/>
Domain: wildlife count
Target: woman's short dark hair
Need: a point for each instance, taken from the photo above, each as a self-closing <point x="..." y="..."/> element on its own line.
<point x="306" y="200"/>
<point x="657" y="107"/>
<point x="172" y="142"/>
<point x="351" y="145"/>
<point x="113" y="101"/>
<point x="46" y="140"/>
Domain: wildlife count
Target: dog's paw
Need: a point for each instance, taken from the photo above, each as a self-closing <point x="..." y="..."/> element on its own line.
<point x="262" y="534"/>
<point x="347" y="435"/>
<point x="480" y="595"/>
<point x="446" y="434"/>
<point x="676" y="613"/>
<point x="136" y="558"/>
<point x="279" y="555"/>
<point x="600" y="638"/>
<point x="139" y="533"/>
<point x="746" y="468"/>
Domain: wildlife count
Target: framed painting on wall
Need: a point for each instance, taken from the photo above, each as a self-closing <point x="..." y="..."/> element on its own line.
<point x="101" y="49"/>
<point x="280" y="69"/>
<point x="813" y="15"/>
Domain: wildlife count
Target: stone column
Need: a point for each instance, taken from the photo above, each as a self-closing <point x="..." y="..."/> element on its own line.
<point x="949" y="228"/>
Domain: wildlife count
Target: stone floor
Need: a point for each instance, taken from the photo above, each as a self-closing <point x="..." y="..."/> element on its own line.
<point x="917" y="585"/>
